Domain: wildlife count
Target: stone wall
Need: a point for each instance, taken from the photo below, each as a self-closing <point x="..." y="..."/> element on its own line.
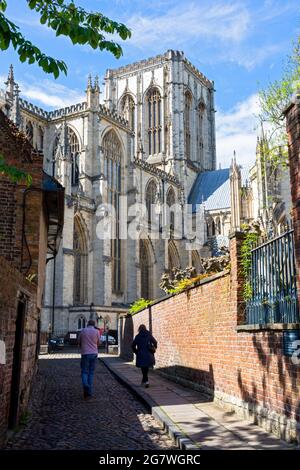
<point x="204" y="344"/>
<point x="14" y="285"/>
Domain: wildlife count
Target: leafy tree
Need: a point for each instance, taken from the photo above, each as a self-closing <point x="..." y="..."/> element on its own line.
<point x="273" y="100"/>
<point x="66" y="19"/>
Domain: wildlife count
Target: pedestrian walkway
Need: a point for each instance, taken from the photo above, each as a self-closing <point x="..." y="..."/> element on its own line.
<point x="190" y="417"/>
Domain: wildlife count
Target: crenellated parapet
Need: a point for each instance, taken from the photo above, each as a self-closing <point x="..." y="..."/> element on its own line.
<point x="32" y="108"/>
<point x="62" y="112"/>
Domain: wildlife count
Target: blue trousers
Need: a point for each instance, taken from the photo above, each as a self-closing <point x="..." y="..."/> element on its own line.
<point x="88" y="362"/>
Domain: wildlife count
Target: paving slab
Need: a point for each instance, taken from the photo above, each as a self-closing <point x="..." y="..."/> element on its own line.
<point x="196" y="420"/>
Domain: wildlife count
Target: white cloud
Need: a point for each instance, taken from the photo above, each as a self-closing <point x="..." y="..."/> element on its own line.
<point x="236" y="130"/>
<point x="47" y="93"/>
<point x="222" y="21"/>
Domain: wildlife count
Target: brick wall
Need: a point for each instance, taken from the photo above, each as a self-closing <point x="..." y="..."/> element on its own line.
<point x="293" y="129"/>
<point x="14" y="284"/>
<point x="202" y="343"/>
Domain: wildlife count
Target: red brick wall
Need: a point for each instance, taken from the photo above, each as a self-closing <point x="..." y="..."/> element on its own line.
<point x="199" y="342"/>
<point x="293" y="130"/>
<point x="12" y="285"/>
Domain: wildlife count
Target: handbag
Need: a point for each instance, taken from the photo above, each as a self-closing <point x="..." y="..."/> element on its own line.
<point x="151" y="347"/>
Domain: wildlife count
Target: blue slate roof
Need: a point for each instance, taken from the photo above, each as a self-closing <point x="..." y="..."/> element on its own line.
<point x="213" y="189"/>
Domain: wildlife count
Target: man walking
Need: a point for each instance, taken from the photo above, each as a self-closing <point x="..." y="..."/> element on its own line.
<point x="89" y="341"/>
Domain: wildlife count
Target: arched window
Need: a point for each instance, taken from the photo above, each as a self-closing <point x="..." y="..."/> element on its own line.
<point x="112" y="153"/>
<point x="170" y="204"/>
<point x="81" y="323"/>
<point x="74" y="149"/>
<point x="127" y="110"/>
<point x="80" y="265"/>
<point x="218" y="226"/>
<point x="187" y="123"/>
<point x="200" y="131"/>
<point x="173" y="257"/>
<point x="151" y="195"/>
<point x="196" y="262"/>
<point x="146" y="270"/>
<point x="153" y="100"/>
<point x="29" y="132"/>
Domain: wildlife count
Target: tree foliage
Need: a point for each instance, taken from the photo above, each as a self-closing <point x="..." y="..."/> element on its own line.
<point x="273" y="100"/>
<point x="66" y="19"/>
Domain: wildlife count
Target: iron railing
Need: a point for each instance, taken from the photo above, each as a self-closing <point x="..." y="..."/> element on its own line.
<point x="272" y="281"/>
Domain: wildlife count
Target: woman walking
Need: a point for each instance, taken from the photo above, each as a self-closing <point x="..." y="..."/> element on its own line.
<point x="144" y="346"/>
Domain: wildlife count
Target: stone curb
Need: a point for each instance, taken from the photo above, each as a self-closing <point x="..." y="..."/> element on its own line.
<point x="181" y="440"/>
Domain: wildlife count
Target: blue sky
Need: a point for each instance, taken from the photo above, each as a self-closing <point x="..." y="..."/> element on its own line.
<point x="240" y="44"/>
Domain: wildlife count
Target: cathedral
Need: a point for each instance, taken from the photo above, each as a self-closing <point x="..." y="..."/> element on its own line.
<point x="150" y="140"/>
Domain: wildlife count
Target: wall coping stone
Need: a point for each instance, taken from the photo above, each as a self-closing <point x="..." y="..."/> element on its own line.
<point x="269" y="326"/>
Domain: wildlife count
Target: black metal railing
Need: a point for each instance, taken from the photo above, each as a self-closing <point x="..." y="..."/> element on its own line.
<point x="272" y="282"/>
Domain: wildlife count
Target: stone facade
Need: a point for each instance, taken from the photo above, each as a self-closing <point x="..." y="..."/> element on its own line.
<point x="156" y="131"/>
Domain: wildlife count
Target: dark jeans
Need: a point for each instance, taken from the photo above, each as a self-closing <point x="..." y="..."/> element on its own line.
<point x="145" y="371"/>
<point x="88" y="362"/>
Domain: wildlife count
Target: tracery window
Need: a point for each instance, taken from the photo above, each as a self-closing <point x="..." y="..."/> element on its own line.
<point x="112" y="152"/>
<point x="151" y="195"/>
<point x="74" y="149"/>
<point x="200" y="131"/>
<point x="80" y="265"/>
<point x="154" y="124"/>
<point x="40" y="138"/>
<point x="187" y="123"/>
<point x="55" y="147"/>
<point x="146" y="270"/>
<point x="173" y="257"/>
<point x="128" y="110"/>
<point x="170" y="204"/>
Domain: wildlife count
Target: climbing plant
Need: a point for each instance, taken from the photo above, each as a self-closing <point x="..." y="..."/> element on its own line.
<point x="14" y="174"/>
<point x="250" y="240"/>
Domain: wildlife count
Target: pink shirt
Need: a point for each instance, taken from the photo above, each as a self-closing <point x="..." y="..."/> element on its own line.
<point x="88" y="340"/>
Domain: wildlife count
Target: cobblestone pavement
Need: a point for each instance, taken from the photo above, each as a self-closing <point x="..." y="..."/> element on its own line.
<point x="59" y="418"/>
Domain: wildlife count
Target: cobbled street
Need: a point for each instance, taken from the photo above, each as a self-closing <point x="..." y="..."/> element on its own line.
<point x="59" y="418"/>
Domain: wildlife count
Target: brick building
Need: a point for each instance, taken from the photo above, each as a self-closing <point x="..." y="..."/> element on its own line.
<point x="31" y="219"/>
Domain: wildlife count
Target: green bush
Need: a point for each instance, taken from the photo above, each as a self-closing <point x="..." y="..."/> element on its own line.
<point x="139" y="305"/>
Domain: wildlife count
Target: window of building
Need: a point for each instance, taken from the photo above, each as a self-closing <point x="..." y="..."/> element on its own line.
<point x="74" y="149"/>
<point x="187" y="123"/>
<point x="81" y="323"/>
<point x="80" y="264"/>
<point x="128" y="110"/>
<point x="200" y="132"/>
<point x="151" y="195"/>
<point x="170" y="204"/>
<point x="153" y="101"/>
<point x="196" y="262"/>
<point x="112" y="152"/>
<point x="146" y="270"/>
<point x="173" y="257"/>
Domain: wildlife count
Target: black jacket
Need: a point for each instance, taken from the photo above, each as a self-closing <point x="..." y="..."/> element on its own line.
<point x="140" y="346"/>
